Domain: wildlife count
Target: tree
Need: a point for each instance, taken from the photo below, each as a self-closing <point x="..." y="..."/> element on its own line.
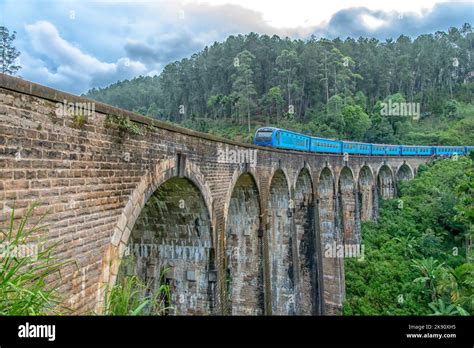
<point x="214" y="103"/>
<point x="333" y="115"/>
<point x="356" y="122"/>
<point x="287" y="68"/>
<point x="440" y="308"/>
<point x="8" y="53"/>
<point x="242" y="87"/>
<point x="273" y="102"/>
<point x="431" y="270"/>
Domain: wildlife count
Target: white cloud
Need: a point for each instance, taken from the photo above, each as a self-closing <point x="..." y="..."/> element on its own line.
<point x="61" y="63"/>
<point x="371" y="22"/>
<point x="298" y="13"/>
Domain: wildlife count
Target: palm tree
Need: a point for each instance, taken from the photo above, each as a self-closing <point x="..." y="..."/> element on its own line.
<point x="440" y="308"/>
<point x="458" y="284"/>
<point x="430" y="270"/>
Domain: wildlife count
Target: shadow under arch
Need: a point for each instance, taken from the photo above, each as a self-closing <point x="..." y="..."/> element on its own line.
<point x="385" y="182"/>
<point x="192" y="217"/>
<point x="404" y="172"/>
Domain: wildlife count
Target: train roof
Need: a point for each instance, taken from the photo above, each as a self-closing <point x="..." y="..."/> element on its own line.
<point x="273" y="129"/>
<point x="266" y="129"/>
<point x="355" y="142"/>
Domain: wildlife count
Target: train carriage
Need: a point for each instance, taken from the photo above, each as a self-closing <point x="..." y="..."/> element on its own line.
<point x="356" y="148"/>
<point x="414" y="150"/>
<point x="325" y="145"/>
<point x="292" y="140"/>
<point x="384" y="149"/>
<point x="449" y="150"/>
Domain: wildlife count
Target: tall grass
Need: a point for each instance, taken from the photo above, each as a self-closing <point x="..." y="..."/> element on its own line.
<point x="27" y="279"/>
<point x="131" y="296"/>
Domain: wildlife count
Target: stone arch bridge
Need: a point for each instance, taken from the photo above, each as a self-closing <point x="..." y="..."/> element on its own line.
<point x="242" y="229"/>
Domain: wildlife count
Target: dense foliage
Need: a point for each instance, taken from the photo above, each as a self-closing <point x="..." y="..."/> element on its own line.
<point x="417" y="259"/>
<point x="331" y="88"/>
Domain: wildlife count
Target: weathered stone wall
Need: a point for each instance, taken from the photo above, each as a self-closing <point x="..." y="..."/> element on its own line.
<point x="103" y="189"/>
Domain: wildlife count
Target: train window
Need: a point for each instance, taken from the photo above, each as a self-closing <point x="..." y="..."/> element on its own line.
<point x="264" y="135"/>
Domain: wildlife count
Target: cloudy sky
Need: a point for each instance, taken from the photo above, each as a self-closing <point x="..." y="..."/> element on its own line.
<point x="77" y="45"/>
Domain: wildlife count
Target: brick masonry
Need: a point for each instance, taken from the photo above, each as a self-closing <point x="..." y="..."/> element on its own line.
<point x="240" y="237"/>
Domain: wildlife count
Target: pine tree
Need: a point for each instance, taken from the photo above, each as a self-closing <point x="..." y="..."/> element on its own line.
<point x="242" y="87"/>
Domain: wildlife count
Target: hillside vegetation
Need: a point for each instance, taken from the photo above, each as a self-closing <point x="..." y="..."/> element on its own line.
<point x="332" y="88"/>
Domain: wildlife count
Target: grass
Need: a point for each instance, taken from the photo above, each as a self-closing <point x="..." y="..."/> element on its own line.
<point x="28" y="270"/>
<point x="131" y="296"/>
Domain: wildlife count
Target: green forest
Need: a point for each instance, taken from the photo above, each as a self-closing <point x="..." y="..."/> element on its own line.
<point x="332" y="88"/>
<point x="417" y="257"/>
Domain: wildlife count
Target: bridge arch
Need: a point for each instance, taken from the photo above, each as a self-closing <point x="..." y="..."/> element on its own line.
<point x="160" y="193"/>
<point x="385" y="182"/>
<point x="280" y="242"/>
<point x="326" y="184"/>
<point x="405" y="172"/>
<point x="366" y="190"/>
<point x="244" y="248"/>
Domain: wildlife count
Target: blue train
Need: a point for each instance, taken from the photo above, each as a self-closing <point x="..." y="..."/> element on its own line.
<point x="285" y="139"/>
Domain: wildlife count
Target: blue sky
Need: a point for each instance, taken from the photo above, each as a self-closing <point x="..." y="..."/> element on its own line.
<point x="76" y="45"/>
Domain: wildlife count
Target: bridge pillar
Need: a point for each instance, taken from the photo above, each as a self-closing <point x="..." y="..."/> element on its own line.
<point x="330" y="238"/>
<point x="357" y="217"/>
<point x="280" y="243"/>
<point x="375" y="202"/>
<point x="347" y="206"/>
<point x="366" y="190"/>
<point x="244" y="285"/>
<point x="305" y="248"/>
